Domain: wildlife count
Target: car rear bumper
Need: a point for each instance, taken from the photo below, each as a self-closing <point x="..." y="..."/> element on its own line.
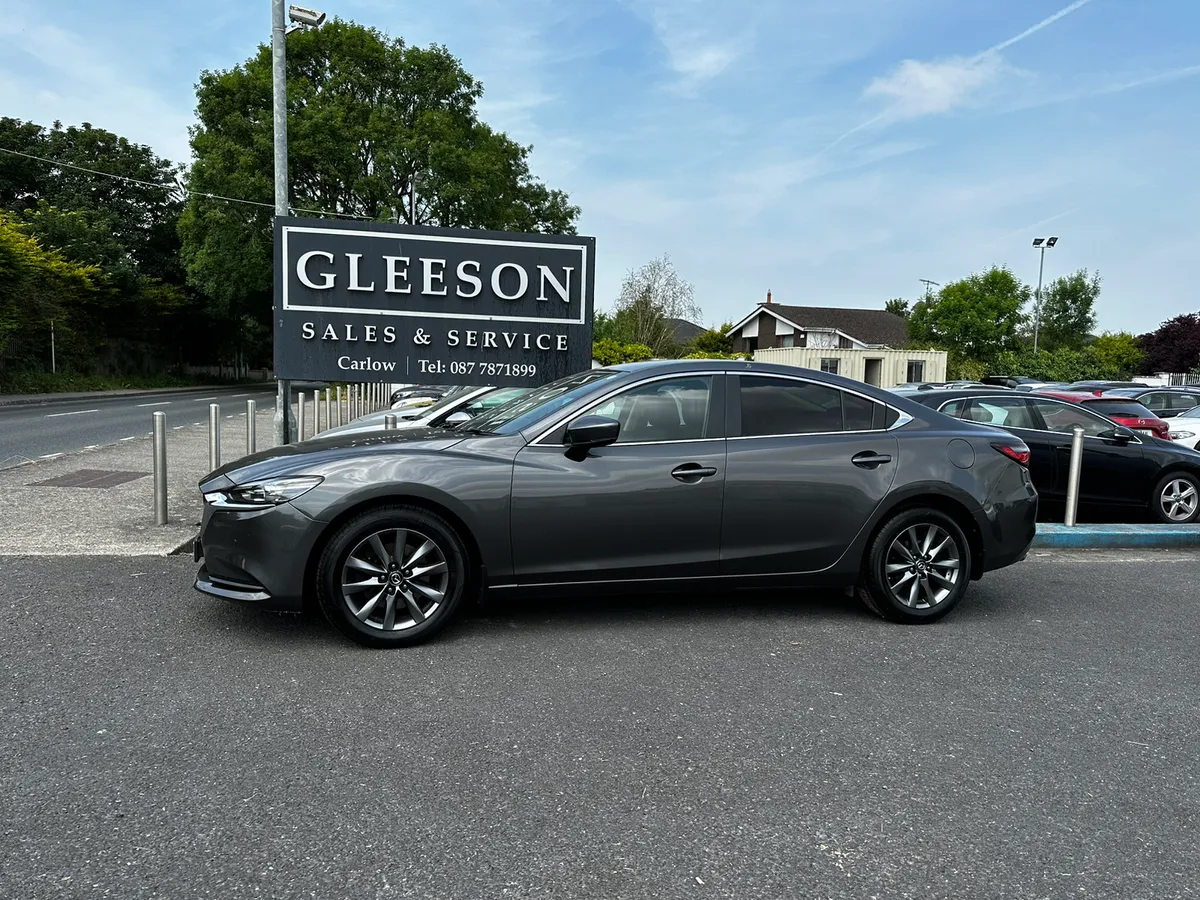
<point x="1011" y="516"/>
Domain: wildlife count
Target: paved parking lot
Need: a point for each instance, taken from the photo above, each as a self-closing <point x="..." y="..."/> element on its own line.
<point x="1041" y="742"/>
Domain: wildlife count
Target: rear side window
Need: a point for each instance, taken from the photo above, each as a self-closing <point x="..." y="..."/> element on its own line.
<point x="1112" y="407"/>
<point x="779" y="406"/>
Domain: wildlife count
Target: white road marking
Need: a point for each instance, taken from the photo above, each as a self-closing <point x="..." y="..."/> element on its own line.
<point x="92" y="447"/>
<point x="235" y="396"/>
<point x="202" y="399"/>
<point x="78" y="412"/>
<point x="177" y="427"/>
<point x="53" y="455"/>
<point x="159" y="403"/>
<point x="131" y="438"/>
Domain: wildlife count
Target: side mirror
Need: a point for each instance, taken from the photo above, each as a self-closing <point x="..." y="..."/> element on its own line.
<point x="1118" y="433"/>
<point x="588" y="432"/>
<point x="458" y="418"/>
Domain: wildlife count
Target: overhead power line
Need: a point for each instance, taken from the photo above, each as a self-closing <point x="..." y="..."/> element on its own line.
<point x="176" y="186"/>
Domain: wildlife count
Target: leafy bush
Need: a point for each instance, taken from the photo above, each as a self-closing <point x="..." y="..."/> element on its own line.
<point x="716" y="355"/>
<point x="609" y="352"/>
<point x="1111" y="357"/>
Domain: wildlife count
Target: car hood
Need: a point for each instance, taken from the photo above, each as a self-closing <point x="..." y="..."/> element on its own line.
<point x="308" y="457"/>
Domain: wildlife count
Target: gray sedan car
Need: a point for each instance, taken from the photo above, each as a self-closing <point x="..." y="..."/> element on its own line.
<point x="681" y="473"/>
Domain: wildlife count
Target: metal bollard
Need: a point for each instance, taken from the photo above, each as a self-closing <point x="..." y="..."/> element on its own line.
<point x="317" y="413"/>
<point x="214" y="436"/>
<point x="1073" y="475"/>
<point x="251" y="427"/>
<point x="160" y="468"/>
<point x="338" y="391"/>
<point x="328" y="411"/>
<point x="300" y="415"/>
<point x="389" y="421"/>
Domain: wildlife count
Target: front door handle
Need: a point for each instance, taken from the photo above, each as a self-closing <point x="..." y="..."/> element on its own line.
<point x="690" y="473"/>
<point x="869" y="459"/>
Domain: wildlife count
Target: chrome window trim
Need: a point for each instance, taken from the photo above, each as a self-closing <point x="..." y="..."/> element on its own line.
<point x="628" y="387"/>
<point x="1091" y="437"/>
<point x="904" y="418"/>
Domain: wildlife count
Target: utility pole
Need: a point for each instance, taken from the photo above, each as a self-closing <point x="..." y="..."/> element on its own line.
<point x="1040" y="244"/>
<point x="928" y="284"/>
<point x="284" y="427"/>
<point x="53" y="361"/>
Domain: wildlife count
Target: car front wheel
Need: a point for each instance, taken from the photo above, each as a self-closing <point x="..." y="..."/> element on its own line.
<point x="393" y="576"/>
<point x="917" y="568"/>
<point x="1176" y="499"/>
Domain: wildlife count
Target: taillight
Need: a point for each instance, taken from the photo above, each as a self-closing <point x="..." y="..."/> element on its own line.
<point x="1015" y="450"/>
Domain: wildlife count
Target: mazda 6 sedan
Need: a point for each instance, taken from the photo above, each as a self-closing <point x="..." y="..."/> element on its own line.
<point x="681" y="474"/>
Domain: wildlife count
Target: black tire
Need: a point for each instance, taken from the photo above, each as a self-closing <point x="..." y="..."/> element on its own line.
<point x="1187" y="505"/>
<point x="388" y="525"/>
<point x="910" y="529"/>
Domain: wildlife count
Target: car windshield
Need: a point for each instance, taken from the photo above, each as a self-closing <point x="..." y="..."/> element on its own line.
<point x="450" y="399"/>
<point x="519" y="414"/>
<point x="1112" y="407"/>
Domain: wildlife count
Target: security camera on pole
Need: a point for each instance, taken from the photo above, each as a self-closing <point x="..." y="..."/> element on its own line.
<point x="285" y="428"/>
<point x="1040" y="244"/>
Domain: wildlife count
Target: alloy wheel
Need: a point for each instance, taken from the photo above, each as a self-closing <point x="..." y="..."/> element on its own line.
<point x="1178" y="499"/>
<point x="922" y="566"/>
<point x="395" y="579"/>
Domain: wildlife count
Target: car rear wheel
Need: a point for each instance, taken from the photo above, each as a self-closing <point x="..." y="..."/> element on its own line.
<point x="917" y="568"/>
<point x="1176" y="499"/>
<point x="392" y="577"/>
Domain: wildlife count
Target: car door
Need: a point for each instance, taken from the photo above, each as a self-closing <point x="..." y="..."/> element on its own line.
<point x="1112" y="472"/>
<point x="647" y="506"/>
<point x="1016" y="414"/>
<point x="808" y="464"/>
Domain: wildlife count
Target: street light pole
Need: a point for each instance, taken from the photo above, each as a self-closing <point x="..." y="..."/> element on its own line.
<point x="283" y="394"/>
<point x="1040" y="244"/>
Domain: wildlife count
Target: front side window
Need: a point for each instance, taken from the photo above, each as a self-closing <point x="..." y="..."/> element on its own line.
<point x="674" y="409"/>
<point x="830" y="366"/>
<point x="781" y="406"/>
<point x="1063" y="417"/>
<point x="916" y="371"/>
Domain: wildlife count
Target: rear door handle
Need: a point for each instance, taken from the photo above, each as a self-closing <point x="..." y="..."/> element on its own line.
<point x="692" y="472"/>
<point x="869" y="459"/>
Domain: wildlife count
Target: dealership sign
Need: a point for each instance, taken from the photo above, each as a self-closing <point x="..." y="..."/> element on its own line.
<point x="377" y="302"/>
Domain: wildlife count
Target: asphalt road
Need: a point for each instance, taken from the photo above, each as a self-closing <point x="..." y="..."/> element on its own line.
<point x="1040" y="742"/>
<point x="30" y="432"/>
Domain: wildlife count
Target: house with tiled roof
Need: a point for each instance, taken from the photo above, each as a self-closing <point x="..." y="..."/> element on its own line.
<point x="774" y="325"/>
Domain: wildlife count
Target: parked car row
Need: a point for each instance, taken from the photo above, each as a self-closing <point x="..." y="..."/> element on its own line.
<point x="1131" y="465"/>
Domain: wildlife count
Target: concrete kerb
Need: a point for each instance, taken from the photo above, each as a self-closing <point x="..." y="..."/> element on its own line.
<point x="63" y="521"/>
<point x="1117" y="536"/>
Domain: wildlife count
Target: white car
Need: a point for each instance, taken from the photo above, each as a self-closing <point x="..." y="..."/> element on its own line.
<point x="1185" y="428"/>
<point x="459" y="405"/>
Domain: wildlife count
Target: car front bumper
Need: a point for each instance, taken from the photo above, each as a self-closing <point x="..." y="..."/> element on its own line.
<point x="256" y="556"/>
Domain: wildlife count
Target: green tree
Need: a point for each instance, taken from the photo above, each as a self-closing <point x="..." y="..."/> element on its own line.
<point x="376" y="129"/>
<point x="977" y="316"/>
<point x="651" y="297"/>
<point x="897" y="307"/>
<point x="1068" y="312"/>
<point x="713" y="341"/>
<point x="1118" y="353"/>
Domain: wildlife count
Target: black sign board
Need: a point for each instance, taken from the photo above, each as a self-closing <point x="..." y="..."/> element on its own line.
<point x="368" y="302"/>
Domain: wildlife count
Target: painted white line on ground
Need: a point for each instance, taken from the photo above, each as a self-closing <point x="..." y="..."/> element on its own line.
<point x="159" y="403"/>
<point x="235" y="396"/>
<point x="78" y="412"/>
<point x="229" y="417"/>
<point x="92" y="447"/>
<point x="177" y="427"/>
<point x="131" y="438"/>
<point x="53" y="455"/>
<point x="202" y="399"/>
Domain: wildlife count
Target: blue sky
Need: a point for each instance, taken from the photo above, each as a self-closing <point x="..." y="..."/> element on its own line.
<point x="833" y="151"/>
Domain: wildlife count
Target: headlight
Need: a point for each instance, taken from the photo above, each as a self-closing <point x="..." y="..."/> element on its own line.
<point x="1181" y="435"/>
<point x="265" y="494"/>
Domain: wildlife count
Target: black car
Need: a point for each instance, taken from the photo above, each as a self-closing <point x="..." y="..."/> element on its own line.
<point x="1123" y="474"/>
<point x="685" y="473"/>
<point x="1164" y="402"/>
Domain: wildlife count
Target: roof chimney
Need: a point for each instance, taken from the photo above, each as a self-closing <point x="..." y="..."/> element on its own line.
<point x="768" y="295"/>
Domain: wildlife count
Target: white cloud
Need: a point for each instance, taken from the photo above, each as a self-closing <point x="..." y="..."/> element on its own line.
<point x="918" y="88"/>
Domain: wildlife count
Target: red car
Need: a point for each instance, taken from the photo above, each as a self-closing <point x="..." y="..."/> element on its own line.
<point x="1122" y="410"/>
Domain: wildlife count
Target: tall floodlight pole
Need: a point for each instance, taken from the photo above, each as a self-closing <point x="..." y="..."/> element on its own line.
<point x="283" y="392"/>
<point x="285" y="428"/>
<point x="1040" y="244"/>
